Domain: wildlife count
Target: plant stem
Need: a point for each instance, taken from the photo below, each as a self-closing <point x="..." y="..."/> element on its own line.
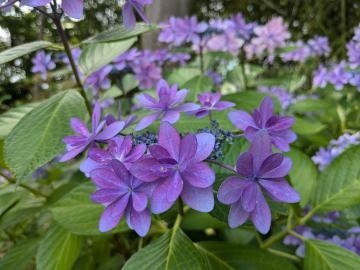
<point x="180" y="207"/>
<point x="225" y="166"/>
<point x="32" y="190"/>
<point x="57" y="21"/>
<point x="242" y="68"/>
<point x="201" y="51"/>
<point x="284" y="254"/>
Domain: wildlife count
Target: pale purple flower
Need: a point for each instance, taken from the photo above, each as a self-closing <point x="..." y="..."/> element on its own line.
<point x="167" y="107"/>
<point x="319" y="46"/>
<point x="257" y="170"/>
<point x="122" y="194"/>
<point x="225" y="42"/>
<point x="123" y="60"/>
<point x="338" y="75"/>
<point x="355" y="80"/>
<point x="99" y="79"/>
<point x="147" y="72"/>
<point x="176" y="167"/>
<point x="215" y="77"/>
<point x="286" y="99"/>
<point x="210" y="102"/>
<point x="180" y="58"/>
<point x="42" y="62"/>
<point x="353" y="53"/>
<point x="299" y="54"/>
<point x="75" y="144"/>
<point x="241" y="28"/>
<point x="129" y="14"/>
<point x="119" y="148"/>
<point x="263" y="119"/>
<point x="321" y="77"/>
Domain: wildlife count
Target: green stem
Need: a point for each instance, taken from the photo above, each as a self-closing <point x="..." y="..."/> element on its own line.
<point x="180" y="207"/>
<point x="242" y="69"/>
<point x="296" y="235"/>
<point x="32" y="190"/>
<point x="225" y="166"/>
<point x="284" y="254"/>
<point x="57" y="21"/>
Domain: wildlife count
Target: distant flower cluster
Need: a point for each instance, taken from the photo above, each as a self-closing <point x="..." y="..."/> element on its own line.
<point x="325" y="156"/>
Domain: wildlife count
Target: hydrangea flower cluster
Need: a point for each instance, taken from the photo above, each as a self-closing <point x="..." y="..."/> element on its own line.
<point x="259" y="170"/>
<point x="349" y="239"/>
<point x="42" y="63"/>
<point x="325" y="156"/>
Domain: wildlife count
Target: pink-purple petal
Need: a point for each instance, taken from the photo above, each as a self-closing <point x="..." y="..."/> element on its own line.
<point x="169" y="138"/>
<point x="261" y="216"/>
<point x="171" y="116"/>
<point x="147" y="121"/>
<point x="110" y="131"/>
<point x="146" y="169"/>
<point x="241" y="119"/>
<point x="188" y="146"/>
<point x="140" y="221"/>
<point x="174" y="186"/>
<point x="237" y="215"/>
<point x="73" y="8"/>
<point x="230" y="190"/>
<point x="79" y="127"/>
<point x="112" y="214"/>
<point x="266" y="109"/>
<point x="199" y="199"/>
<point x="244" y="165"/>
<point x="260" y="149"/>
<point x="280" y="171"/>
<point x="139" y="201"/>
<point x="199" y="175"/>
<point x="248" y="197"/>
<point x="158" y="200"/>
<point x="205" y="145"/>
<point x="280" y="190"/>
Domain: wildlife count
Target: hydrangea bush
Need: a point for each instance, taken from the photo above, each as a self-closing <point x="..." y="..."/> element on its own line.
<point x="231" y="146"/>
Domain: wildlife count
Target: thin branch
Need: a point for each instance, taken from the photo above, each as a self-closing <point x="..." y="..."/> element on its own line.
<point x="225" y="166"/>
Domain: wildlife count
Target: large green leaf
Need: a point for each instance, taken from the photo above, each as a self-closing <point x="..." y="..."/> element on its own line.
<point x="311" y="105"/>
<point x="338" y="186"/>
<point x="20" y="256"/>
<point x="197" y="85"/>
<point x="23" y="49"/>
<point x="37" y="138"/>
<point x="9" y="119"/>
<point x="96" y="55"/>
<point x="303" y="174"/>
<point x="307" y="127"/>
<point x="58" y="250"/>
<point x="181" y="75"/>
<point x="231" y="256"/>
<point x="321" y="255"/>
<point x="173" y="250"/>
<point x="121" y="33"/>
<point x="78" y="214"/>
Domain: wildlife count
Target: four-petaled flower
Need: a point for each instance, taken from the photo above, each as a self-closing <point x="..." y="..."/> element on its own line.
<point x="211" y="102"/>
<point x="177" y="169"/>
<point x="167" y="107"/>
<point x="75" y="144"/>
<point x="277" y="127"/>
<point x="122" y="195"/>
<point x="257" y="170"/>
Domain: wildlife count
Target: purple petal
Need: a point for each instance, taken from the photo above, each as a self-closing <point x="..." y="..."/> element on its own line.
<point x="281" y="123"/>
<point x="136" y="153"/>
<point x="260" y="149"/>
<point x="248" y="197"/>
<point x="223" y="105"/>
<point x="199" y="175"/>
<point x="280" y="190"/>
<point x="169" y="138"/>
<point x="146" y="101"/>
<point x="174" y="187"/>
<point x="107" y="195"/>
<point x="159" y="152"/>
<point x="237" y="215"/>
<point x="230" y="190"/>
<point x="140" y="10"/>
<point x="266" y="109"/>
<point x="72" y="153"/>
<point x="199" y="199"/>
<point x="139" y="221"/>
<point x="187" y="107"/>
<point x="244" y="165"/>
<point x="112" y="214"/>
<point x="171" y="117"/>
<point x="146" y="169"/>
<point x="79" y="127"/>
<point x="282" y="140"/>
<point x="147" y="121"/>
<point x="99" y="155"/>
<point x="275" y="166"/>
<point x="205" y="145"/>
<point x="95" y="117"/>
<point x="128" y="16"/>
<point x="120" y="171"/>
<point x="139" y="201"/>
<point x="35" y="3"/>
<point x="188" y="148"/>
<point x="88" y="165"/>
<point x="73" y="8"/>
<point x="159" y="202"/>
<point x="180" y="96"/>
<point x="261" y="216"/>
<point x="241" y="119"/>
<point x="110" y="131"/>
<point x="106" y="178"/>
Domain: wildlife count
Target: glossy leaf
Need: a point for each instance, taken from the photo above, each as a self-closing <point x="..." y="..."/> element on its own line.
<point x="37" y="138"/>
<point x="197" y="85"/>
<point x="307" y="126"/>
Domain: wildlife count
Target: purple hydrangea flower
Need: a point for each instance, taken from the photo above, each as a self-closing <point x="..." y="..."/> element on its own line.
<point x="257" y="170"/>
<point x="263" y="119"/>
<point x="211" y="102"/>
<point x="99" y="79"/>
<point x="119" y="148"/>
<point x="299" y="54"/>
<point x="122" y="194"/>
<point x="75" y="144"/>
<point x="353" y="53"/>
<point x="286" y="99"/>
<point x="147" y="72"/>
<point x="176" y="167"/>
<point x="123" y="60"/>
<point x="42" y="62"/>
<point x="225" y="42"/>
<point x="241" y="28"/>
<point x="338" y="75"/>
<point x="319" y="46"/>
<point x="129" y="15"/>
<point x="167" y="107"/>
<point x="321" y="77"/>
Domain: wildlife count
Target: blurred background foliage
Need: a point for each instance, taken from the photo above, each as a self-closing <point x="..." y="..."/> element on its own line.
<point x="306" y="18"/>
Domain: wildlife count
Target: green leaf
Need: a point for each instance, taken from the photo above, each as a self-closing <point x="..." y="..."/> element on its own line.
<point x="173" y="250"/>
<point x="183" y="74"/>
<point x="9" y="119"/>
<point x="213" y="262"/>
<point x="227" y="255"/>
<point x="338" y="186"/>
<point x="303" y="174"/>
<point x="321" y="255"/>
<point x="23" y="49"/>
<point x="37" y="138"/>
<point x="197" y="85"/>
<point x="311" y="105"/>
<point x="307" y="126"/>
<point x="78" y="214"/>
<point x="194" y="220"/>
<point x="96" y="55"/>
<point x="58" y="250"/>
<point x="2" y="162"/>
<point x="20" y="256"/>
<point x="120" y="33"/>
